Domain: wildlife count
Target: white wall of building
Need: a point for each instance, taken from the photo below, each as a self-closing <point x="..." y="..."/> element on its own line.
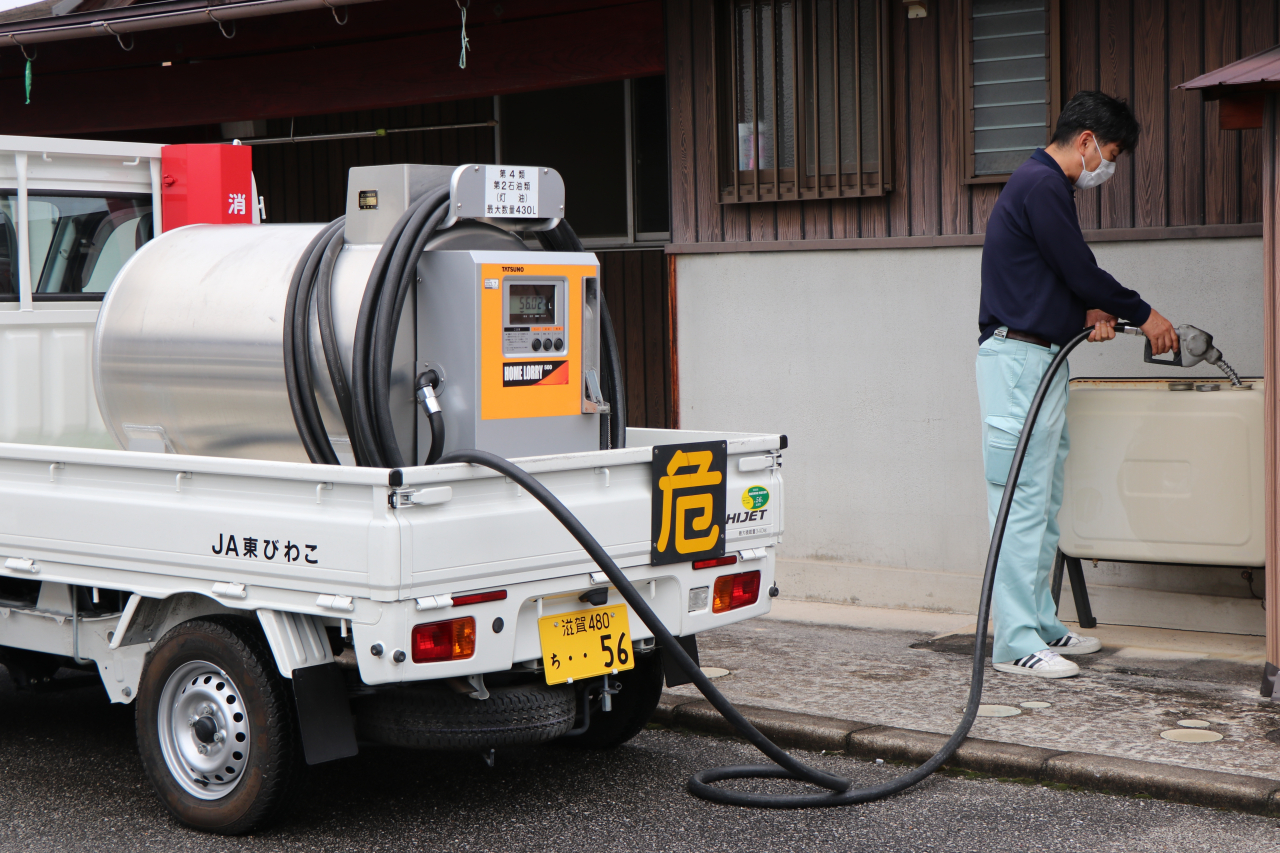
<point x="864" y="358"/>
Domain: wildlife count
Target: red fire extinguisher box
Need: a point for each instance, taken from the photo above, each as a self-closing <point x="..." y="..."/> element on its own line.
<point x="210" y="184"/>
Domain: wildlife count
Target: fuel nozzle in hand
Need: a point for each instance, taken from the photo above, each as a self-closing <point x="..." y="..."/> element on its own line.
<point x="1194" y="346"/>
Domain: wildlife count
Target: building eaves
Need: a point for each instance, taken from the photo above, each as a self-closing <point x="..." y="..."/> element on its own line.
<point x="128" y="19"/>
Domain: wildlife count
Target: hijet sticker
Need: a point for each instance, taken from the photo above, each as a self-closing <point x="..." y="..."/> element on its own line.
<point x="755" y="497"/>
<point x="688" y="502"/>
<point x="516" y="374"/>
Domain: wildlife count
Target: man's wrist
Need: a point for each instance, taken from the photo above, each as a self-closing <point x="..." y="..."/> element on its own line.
<point x="1141" y="317"/>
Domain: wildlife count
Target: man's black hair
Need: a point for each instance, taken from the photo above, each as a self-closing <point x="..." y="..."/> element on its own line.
<point x="1110" y="119"/>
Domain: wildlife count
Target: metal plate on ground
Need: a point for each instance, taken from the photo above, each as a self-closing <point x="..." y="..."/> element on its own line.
<point x="586" y="643"/>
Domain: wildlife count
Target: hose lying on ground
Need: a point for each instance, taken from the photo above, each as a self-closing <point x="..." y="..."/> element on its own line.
<point x="841" y="790"/>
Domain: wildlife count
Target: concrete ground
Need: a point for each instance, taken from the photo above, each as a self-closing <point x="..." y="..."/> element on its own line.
<point x="911" y="670"/>
<point x="72" y="781"/>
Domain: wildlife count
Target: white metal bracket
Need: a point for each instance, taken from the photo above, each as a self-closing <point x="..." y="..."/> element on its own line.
<point x="297" y="640"/>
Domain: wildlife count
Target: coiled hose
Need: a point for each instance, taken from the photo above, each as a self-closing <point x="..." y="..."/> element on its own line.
<point x="365" y="402"/>
<point x="841" y="790"/>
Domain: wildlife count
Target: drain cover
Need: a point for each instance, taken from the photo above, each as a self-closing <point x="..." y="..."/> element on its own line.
<point x="714" y="672"/>
<point x="1193" y="724"/>
<point x="1191" y="735"/>
<point x="997" y="711"/>
<point x="1035" y="705"/>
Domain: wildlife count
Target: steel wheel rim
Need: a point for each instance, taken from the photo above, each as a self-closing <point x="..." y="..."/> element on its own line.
<point x="201" y="708"/>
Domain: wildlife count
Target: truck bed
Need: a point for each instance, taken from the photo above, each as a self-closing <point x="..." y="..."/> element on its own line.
<point x="325" y="542"/>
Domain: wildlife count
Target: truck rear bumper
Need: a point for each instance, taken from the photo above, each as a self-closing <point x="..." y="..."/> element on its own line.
<point x="506" y="631"/>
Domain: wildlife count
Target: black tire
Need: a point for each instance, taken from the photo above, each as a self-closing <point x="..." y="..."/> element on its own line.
<point x="433" y="716"/>
<point x="632" y="707"/>
<point x="271" y="767"/>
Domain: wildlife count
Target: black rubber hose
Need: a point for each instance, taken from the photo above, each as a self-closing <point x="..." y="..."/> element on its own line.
<point x="362" y="437"/>
<point x="840" y="789"/>
<point x="436" y="421"/>
<point x="375" y="335"/>
<point x="401" y="277"/>
<point x="615" y="389"/>
<point x="328" y="333"/>
<point x="297" y="350"/>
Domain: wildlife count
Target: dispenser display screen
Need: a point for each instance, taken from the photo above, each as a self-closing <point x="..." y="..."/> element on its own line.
<point x="531" y="305"/>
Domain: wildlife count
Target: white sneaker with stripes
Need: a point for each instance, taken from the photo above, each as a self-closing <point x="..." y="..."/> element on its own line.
<point x="1074" y="644"/>
<point x="1042" y="664"/>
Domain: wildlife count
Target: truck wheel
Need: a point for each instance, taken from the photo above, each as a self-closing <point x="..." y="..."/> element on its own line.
<point x="632" y="707"/>
<point x="216" y="727"/>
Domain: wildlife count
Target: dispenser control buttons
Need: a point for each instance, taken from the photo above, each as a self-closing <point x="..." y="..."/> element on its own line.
<point x="537" y="345"/>
<point x="546" y="344"/>
<point x="559" y="345"/>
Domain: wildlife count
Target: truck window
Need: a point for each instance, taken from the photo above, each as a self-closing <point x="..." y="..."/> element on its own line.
<point x="78" y="242"/>
<point x="8" y="253"/>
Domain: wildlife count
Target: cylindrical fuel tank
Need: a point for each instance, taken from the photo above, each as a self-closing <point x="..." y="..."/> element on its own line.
<point x="189" y="347"/>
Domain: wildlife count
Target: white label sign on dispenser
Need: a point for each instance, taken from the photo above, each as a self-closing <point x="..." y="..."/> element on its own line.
<point x="511" y="191"/>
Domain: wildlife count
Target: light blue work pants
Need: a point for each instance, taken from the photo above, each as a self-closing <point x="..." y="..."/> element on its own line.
<point x="1008" y="374"/>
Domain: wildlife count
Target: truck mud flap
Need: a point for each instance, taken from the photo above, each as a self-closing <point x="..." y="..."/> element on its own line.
<point x="324" y="713"/>
<point x="671" y="671"/>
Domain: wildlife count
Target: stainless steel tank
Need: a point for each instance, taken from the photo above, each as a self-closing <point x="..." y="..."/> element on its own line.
<point x="189" y="352"/>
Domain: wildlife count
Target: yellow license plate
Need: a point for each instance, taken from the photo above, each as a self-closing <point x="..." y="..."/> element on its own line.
<point x="586" y="643"/>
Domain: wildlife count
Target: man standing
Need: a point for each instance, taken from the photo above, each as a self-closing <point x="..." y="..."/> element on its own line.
<point x="1040" y="286"/>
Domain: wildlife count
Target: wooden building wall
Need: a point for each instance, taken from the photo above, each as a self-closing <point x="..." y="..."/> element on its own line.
<point x="307" y="181"/>
<point x="1186" y="177"/>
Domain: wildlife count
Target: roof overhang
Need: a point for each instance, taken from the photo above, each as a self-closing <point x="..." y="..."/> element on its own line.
<point x="126" y="20"/>
<point x="1257" y="73"/>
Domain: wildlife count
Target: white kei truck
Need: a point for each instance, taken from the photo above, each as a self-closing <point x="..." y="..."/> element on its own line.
<point x="182" y="411"/>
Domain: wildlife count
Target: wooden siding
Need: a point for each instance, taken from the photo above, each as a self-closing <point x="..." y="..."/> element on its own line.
<point x="307" y="181"/>
<point x="635" y="286"/>
<point x="1185" y="172"/>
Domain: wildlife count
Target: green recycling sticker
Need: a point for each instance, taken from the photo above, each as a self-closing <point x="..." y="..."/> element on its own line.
<point x="755" y="497"/>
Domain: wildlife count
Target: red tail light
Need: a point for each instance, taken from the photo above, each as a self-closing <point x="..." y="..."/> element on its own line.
<point x="441" y="641"/>
<point x="734" y="591"/>
<point x="719" y="561"/>
<point x="479" y="597"/>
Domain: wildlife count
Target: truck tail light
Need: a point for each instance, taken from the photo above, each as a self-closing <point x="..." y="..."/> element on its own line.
<point x="454" y="639"/>
<point x="719" y="561"/>
<point x="734" y="591"/>
<point x="479" y="597"/>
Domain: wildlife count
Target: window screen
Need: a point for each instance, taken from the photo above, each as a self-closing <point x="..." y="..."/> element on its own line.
<point x="1009" y="82"/>
<point x="804" y="81"/>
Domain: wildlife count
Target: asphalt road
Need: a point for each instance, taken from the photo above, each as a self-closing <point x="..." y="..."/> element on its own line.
<point x="70" y="779"/>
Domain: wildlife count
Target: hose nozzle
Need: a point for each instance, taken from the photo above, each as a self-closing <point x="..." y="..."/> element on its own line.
<point x="1194" y="346"/>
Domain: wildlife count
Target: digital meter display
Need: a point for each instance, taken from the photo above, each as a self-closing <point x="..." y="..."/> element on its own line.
<point x="531" y="305"/>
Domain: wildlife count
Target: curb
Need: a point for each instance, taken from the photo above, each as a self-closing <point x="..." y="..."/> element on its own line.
<point x="1252" y="794"/>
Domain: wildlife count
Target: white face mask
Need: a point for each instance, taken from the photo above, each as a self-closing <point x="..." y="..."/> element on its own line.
<point x="1098" y="176"/>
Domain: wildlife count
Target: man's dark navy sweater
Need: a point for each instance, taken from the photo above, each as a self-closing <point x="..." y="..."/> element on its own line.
<point x="1038" y="275"/>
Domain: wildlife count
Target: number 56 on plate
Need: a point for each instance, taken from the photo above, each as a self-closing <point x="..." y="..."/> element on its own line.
<point x="586" y="643"/>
